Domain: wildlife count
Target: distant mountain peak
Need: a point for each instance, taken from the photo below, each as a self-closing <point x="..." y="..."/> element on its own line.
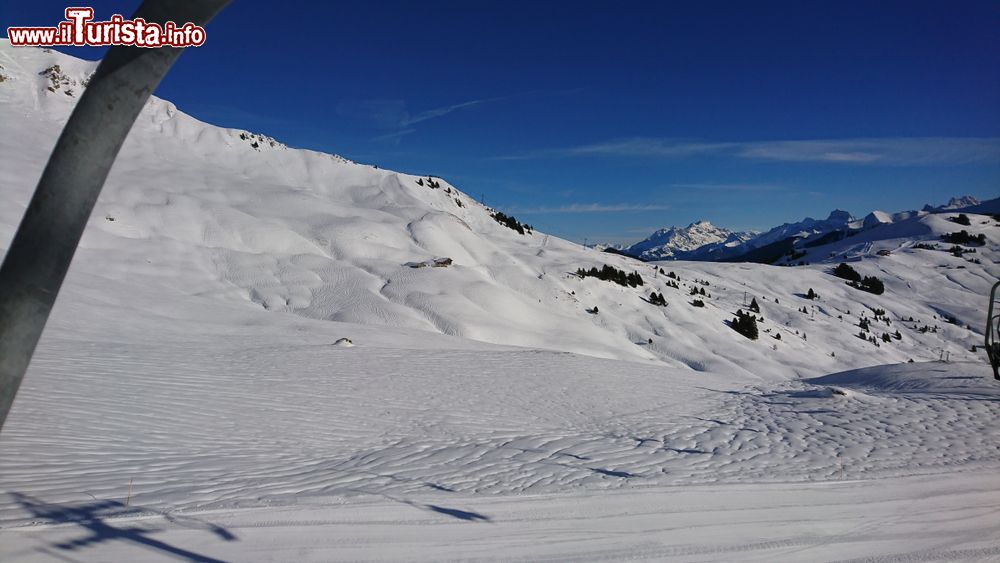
<point x="672" y="242"/>
<point x="840" y="216"/>
<point x="955" y="203"/>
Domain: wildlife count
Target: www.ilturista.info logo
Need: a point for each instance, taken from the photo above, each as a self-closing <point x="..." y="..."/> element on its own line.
<point x="80" y="30"/>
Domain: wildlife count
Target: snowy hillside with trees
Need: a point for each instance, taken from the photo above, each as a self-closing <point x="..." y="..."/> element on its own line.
<point x="188" y="388"/>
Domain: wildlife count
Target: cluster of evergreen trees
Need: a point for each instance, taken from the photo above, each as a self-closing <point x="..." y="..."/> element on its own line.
<point x="511" y="223"/>
<point x="871" y="284"/>
<point x="846" y="272"/>
<point x="963" y="237"/>
<point x="745" y="324"/>
<point x="674" y="278"/>
<point x="431" y="183"/>
<point x="610" y="273"/>
<point x="881" y="315"/>
<point x="864" y="336"/>
<point x="962" y="219"/>
<point x="657" y="299"/>
<point x="958" y="251"/>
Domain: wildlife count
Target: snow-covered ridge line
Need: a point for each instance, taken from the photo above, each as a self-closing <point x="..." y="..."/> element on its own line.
<point x="200" y="210"/>
<point x="704" y="241"/>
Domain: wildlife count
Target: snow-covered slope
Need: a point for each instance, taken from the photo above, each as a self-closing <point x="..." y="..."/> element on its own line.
<point x="679" y="242"/>
<point x="155" y="425"/>
<point x="238" y="434"/>
<point x="198" y="210"/>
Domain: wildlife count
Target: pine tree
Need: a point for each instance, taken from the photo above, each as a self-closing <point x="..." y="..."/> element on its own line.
<point x="811" y="294"/>
<point x="754" y="306"/>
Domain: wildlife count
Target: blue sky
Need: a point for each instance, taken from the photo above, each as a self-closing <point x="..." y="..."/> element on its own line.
<point x="607" y="120"/>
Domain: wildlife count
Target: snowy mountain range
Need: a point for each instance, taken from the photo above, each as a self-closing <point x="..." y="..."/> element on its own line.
<point x="703" y="241"/>
<point x="675" y="243"/>
<point x="238" y="216"/>
<point x="497" y="374"/>
<point x="955" y="203"/>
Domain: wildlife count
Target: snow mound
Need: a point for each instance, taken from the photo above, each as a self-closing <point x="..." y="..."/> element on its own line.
<point x="876" y="218"/>
<point x="938" y="378"/>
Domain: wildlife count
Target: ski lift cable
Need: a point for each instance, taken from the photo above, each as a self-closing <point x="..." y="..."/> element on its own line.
<point x="43" y="246"/>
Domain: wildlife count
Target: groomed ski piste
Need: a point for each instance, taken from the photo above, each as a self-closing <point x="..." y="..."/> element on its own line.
<point x="188" y="401"/>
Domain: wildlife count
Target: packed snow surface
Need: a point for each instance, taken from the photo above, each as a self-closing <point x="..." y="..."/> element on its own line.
<point x="189" y="398"/>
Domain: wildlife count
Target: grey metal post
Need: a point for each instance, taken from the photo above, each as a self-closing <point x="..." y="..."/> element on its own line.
<point x="993" y="332"/>
<point x="46" y="240"/>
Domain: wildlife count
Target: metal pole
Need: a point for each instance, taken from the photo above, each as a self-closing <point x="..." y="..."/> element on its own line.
<point x="46" y="240"/>
<point x="993" y="332"/>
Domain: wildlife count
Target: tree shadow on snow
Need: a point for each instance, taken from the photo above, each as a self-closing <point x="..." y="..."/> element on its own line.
<point x="611" y="473"/>
<point x="730" y="392"/>
<point x="466" y="515"/>
<point x="437" y="487"/>
<point x="686" y="451"/>
<point x="93" y="518"/>
<point x="456" y="513"/>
